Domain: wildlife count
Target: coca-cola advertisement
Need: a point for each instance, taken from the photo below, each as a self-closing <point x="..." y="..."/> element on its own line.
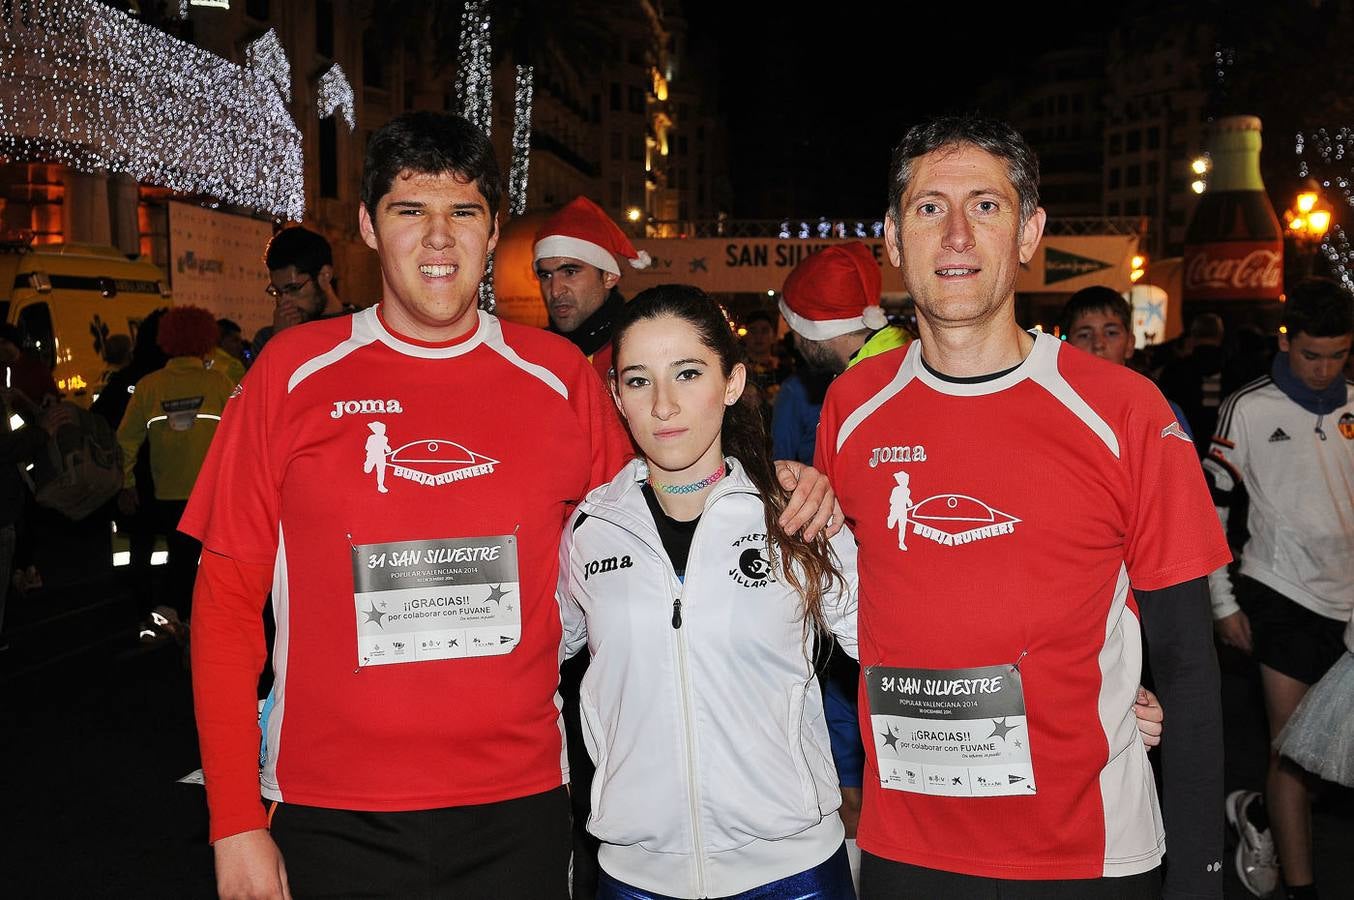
<point x="1234" y="270"/>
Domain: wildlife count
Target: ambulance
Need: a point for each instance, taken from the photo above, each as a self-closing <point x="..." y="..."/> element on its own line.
<point x="69" y="299"/>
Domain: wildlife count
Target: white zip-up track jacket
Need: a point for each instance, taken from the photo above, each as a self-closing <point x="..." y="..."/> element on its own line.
<point x="714" y="773"/>
<point x="1298" y="469"/>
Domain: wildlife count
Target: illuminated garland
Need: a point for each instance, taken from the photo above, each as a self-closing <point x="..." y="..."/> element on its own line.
<point x="474" y="87"/>
<point x="266" y="56"/>
<point x="93" y="88"/>
<point x="824" y="229"/>
<point x="335" y="93"/>
<point x="1332" y="150"/>
<point x="474" y="95"/>
<point x="521" y="142"/>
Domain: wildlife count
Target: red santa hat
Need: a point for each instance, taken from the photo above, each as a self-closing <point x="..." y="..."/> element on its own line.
<point x="581" y="230"/>
<point x="833" y="292"/>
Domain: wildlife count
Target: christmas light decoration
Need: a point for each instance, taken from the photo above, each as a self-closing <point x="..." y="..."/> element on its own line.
<point x="521" y="141"/>
<point x="93" y="88"/>
<point x="474" y="87"/>
<point x="825" y="229"/>
<point x="334" y="93"/>
<point x="266" y="56"/>
<point x="474" y="95"/>
<point x="1317" y="152"/>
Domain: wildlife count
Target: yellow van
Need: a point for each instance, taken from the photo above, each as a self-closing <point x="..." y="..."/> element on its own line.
<point x="68" y="299"/>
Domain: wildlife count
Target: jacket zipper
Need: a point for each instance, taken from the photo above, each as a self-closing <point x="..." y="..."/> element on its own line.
<point x="693" y="785"/>
<point x="693" y="793"/>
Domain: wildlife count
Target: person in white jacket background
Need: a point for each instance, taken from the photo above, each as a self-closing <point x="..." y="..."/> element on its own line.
<point x="700" y="706"/>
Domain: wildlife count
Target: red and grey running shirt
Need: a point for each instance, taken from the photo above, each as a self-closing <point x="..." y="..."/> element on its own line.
<point x="409" y="499"/>
<point x="1002" y="524"/>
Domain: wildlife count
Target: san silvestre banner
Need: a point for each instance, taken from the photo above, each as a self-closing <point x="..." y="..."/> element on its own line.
<point x="1061" y="264"/>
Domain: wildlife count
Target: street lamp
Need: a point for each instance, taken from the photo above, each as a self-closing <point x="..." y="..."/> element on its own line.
<point x="1307" y="222"/>
<point x="1200" y="166"/>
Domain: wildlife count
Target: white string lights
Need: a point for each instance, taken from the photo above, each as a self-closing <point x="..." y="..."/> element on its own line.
<point x="474" y="86"/>
<point x="1318" y="151"/>
<point x="90" y="87"/>
<point x="266" y="56"/>
<point x="825" y="229"/>
<point x="521" y="141"/>
<point x="474" y="95"/>
<point x="334" y="93"/>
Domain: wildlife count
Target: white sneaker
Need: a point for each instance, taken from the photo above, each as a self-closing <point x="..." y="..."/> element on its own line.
<point x="1256" y="862"/>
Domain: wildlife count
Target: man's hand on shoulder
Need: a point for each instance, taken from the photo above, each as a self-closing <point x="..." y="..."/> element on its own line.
<point x="249" y="867"/>
<point x="812" y="505"/>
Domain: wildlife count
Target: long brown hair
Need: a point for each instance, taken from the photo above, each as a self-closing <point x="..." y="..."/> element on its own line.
<point x="807" y="566"/>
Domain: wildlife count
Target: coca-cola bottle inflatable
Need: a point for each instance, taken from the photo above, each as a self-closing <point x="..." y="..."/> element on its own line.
<point x="1234" y="245"/>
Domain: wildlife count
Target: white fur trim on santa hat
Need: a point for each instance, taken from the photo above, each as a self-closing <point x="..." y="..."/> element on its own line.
<point x="575" y="248"/>
<point x="821" y="329"/>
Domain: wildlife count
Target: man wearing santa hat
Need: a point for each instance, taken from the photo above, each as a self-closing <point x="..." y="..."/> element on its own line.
<point x="578" y="257"/>
<point x="831" y="303"/>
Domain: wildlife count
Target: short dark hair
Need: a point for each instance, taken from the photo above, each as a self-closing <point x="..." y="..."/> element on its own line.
<point x="298" y="246"/>
<point x="992" y="135"/>
<point x="1096" y="298"/>
<point x="228" y="326"/>
<point x="430" y="143"/>
<point x="1319" y="307"/>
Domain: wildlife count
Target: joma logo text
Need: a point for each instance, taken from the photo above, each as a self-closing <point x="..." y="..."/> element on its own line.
<point x="365" y="407"/>
<point x="610" y="564"/>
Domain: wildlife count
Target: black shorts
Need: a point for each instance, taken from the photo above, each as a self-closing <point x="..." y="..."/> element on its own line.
<point x="883" y="878"/>
<point x="1289" y="637"/>
<point x="511" y="850"/>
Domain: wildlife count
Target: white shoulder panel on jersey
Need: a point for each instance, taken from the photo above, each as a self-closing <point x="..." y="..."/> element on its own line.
<point x="1044" y="372"/>
<point x="492" y="335"/>
<point x="896" y="384"/>
<point x="361" y="336"/>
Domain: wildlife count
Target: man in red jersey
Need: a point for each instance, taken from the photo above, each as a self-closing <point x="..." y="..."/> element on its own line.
<point x="406" y="521"/>
<point x="412" y="738"/>
<point x="1051" y="501"/>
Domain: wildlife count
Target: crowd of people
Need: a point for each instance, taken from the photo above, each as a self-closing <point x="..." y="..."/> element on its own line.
<point x="687" y="618"/>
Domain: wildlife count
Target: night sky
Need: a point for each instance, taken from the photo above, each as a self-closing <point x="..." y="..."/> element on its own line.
<point x="823" y="99"/>
<point x="816" y="101"/>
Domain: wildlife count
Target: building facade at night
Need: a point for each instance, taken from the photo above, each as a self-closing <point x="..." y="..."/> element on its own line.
<point x="615" y="116"/>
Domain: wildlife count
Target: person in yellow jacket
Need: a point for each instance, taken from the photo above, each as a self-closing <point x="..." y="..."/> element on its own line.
<point x="176" y="409"/>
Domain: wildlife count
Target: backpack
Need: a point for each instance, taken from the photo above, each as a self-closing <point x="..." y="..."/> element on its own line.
<point x="81" y="468"/>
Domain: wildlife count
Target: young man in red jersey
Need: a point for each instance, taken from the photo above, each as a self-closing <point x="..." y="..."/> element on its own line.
<point x="412" y="741"/>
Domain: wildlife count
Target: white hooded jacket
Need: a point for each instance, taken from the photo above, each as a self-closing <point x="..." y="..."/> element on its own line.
<point x="714" y="773"/>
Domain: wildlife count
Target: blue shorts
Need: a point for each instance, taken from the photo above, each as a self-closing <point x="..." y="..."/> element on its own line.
<point x="843" y="720"/>
<point x="829" y="880"/>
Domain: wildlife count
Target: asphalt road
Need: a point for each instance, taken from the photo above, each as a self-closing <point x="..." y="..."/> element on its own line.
<point x="98" y="731"/>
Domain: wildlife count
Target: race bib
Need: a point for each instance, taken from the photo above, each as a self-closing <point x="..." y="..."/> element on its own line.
<point x="953" y="732"/>
<point x="450" y="598"/>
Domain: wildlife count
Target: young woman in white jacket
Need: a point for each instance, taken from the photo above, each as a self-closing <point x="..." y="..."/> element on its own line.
<point x="700" y="706"/>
